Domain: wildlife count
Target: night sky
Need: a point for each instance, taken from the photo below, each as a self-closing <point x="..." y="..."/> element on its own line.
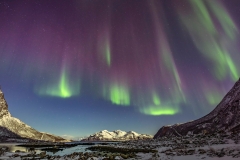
<point x="75" y="67"/>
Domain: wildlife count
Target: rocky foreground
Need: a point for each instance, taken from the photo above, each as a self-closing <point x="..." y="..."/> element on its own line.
<point x="200" y="146"/>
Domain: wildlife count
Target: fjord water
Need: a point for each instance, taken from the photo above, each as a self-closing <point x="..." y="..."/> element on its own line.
<point x="79" y="148"/>
<point x="13" y="147"/>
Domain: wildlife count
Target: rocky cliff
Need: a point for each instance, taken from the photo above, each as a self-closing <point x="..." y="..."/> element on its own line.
<point x="3" y="106"/>
<point x="13" y="127"/>
<point x="225" y="118"/>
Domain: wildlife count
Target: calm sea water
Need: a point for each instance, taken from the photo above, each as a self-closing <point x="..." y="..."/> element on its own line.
<point x="80" y="148"/>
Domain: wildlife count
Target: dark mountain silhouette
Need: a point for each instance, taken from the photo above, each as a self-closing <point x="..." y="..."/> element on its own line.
<point x="224" y="118"/>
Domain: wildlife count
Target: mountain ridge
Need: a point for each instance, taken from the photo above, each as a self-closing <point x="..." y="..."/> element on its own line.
<point x="116" y="135"/>
<point x="224" y="117"/>
<point x="17" y="127"/>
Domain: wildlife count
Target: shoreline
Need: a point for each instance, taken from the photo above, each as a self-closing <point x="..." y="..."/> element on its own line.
<point x="224" y="146"/>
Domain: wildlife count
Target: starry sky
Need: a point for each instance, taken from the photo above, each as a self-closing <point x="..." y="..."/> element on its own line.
<point x="75" y="67"/>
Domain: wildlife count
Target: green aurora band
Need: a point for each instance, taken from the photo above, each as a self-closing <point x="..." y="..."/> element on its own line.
<point x="156" y="99"/>
<point x="213" y="98"/>
<point x="63" y="89"/>
<point x="166" y="61"/>
<point x="119" y="95"/>
<point x="159" y="110"/>
<point x="108" y="54"/>
<point x="200" y="25"/>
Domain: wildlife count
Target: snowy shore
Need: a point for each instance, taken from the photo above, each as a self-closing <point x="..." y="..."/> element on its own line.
<point x="223" y="146"/>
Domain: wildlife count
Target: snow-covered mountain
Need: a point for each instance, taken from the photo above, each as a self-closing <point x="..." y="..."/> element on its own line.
<point x="117" y="135"/>
<point x="13" y="127"/>
<point x="225" y="118"/>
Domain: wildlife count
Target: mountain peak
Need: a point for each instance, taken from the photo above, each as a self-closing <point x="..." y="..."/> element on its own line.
<point x="3" y="105"/>
<point x="12" y="126"/>
<point x="116" y="135"/>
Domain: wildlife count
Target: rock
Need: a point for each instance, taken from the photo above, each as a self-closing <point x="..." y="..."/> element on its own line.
<point x="191" y="151"/>
<point x="201" y="151"/>
<point x="111" y="157"/>
<point x="170" y="153"/>
<point x="42" y="154"/>
<point x="220" y="154"/>
<point x="124" y="156"/>
<point x="118" y="157"/>
<point x="16" y="155"/>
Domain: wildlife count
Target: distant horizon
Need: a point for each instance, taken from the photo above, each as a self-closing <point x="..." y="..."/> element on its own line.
<point x="78" y="67"/>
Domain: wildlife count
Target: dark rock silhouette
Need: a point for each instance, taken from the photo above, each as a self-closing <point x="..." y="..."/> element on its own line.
<point x="224" y="118"/>
<point x="4" y="132"/>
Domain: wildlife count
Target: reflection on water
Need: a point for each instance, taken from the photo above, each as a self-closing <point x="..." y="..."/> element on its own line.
<point x="13" y="147"/>
<point x="66" y="151"/>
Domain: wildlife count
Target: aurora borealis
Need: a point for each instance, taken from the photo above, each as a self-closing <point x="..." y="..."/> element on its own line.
<point x="127" y="64"/>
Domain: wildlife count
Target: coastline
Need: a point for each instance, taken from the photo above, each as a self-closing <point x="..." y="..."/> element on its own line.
<point x="224" y="146"/>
